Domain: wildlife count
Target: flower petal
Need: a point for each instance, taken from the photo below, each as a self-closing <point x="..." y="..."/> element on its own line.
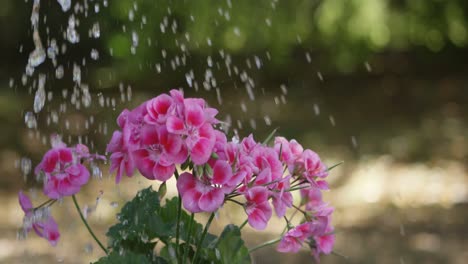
<point x="222" y="172"/>
<point x="211" y="200"/>
<point x="190" y="201"/>
<point x="175" y="125"/>
<point x="163" y="173"/>
<point x="24" y="201"/>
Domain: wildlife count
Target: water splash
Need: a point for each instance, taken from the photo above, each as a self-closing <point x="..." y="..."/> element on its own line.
<point x="39" y="99"/>
<point x="65" y="4"/>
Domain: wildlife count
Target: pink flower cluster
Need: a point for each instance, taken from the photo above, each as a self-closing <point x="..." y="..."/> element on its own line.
<point x="64" y="174"/>
<point x="170" y="130"/>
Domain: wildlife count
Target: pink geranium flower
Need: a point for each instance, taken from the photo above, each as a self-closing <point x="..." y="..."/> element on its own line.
<point x="282" y="198"/>
<point x="160" y="152"/>
<point x="64" y="176"/>
<point x="44" y="225"/>
<point x="159" y="109"/>
<point x="293" y="240"/>
<point x="257" y="207"/>
<point x="268" y="166"/>
<point x="120" y="160"/>
<point x="198" y="196"/>
<point x="196" y="127"/>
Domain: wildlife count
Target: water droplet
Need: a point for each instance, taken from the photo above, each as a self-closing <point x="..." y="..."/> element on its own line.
<point x="131" y="15"/>
<point x="52" y="51"/>
<point x="72" y="34"/>
<point x="59" y="72"/>
<point x="134" y="39"/>
<point x="76" y="74"/>
<point x="65" y="4"/>
<point x="144" y="238"/>
<point x="316" y="109"/>
<point x="96" y="30"/>
<point x="320" y="76"/>
<point x="22" y="234"/>
<point x="30" y="120"/>
<point x="26" y="165"/>
<point x="88" y="248"/>
<point x="39" y="99"/>
<point x="114" y="204"/>
<point x="36" y="57"/>
<point x="237" y="31"/>
<point x="94" y="54"/>
<point x="354" y="141"/>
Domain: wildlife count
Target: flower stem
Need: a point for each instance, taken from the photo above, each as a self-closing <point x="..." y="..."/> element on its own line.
<point x="243" y="224"/>
<point x="45" y="203"/>
<point x="200" y="242"/>
<point x="87" y="226"/>
<point x="268" y="243"/>
<point x="189" y="237"/>
<point x="179" y="209"/>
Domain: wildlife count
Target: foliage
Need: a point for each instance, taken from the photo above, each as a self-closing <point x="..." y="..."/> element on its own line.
<point x="144" y="222"/>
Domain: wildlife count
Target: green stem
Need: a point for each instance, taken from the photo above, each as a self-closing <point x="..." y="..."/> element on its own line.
<point x="179" y="209"/>
<point x="243" y="224"/>
<point x="200" y="242"/>
<point x="45" y="203"/>
<point x="87" y="226"/>
<point x="268" y="243"/>
<point x="234" y="201"/>
<point x="189" y="237"/>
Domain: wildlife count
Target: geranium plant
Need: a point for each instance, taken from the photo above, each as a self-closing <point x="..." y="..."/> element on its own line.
<point x="172" y="136"/>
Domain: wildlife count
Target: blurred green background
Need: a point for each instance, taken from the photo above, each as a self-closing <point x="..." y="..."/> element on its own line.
<point x="380" y="84"/>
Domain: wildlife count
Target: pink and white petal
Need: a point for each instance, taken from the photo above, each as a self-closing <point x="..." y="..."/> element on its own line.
<point x="211" y="200"/>
<point x="129" y="162"/>
<point x="50" y="161"/>
<point x="163" y="173"/>
<point x="181" y="156"/>
<point x="149" y="135"/>
<point x="257" y="219"/>
<point x="207" y="131"/>
<point x="177" y="95"/>
<point x="325" y="243"/>
<point x="322" y="185"/>
<point x="51" y="188"/>
<point x="237" y="178"/>
<point x="210" y="114"/>
<point x="170" y="142"/>
<point x="257" y="194"/>
<point x="115" y="144"/>
<point x="175" y="125"/>
<point x="122" y="119"/>
<point x="190" y="200"/>
<point x="186" y="182"/>
<point x="78" y="174"/>
<point x="194" y="116"/>
<point x="144" y="164"/>
<point x="264" y="176"/>
<point x="66" y="188"/>
<point x="24" y="201"/>
<point x="65" y="155"/>
<point x="201" y="151"/>
<point x="289" y="245"/>
<point x="222" y="172"/>
<point x="51" y="231"/>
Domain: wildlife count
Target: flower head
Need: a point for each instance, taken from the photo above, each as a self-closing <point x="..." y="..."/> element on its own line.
<point x="39" y="220"/>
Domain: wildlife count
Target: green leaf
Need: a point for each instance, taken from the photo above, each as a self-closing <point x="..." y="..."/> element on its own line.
<point x="168" y="214"/>
<point x="228" y="248"/>
<point x="270" y="136"/>
<point x="128" y="258"/>
<point x="139" y="223"/>
<point x="143" y="221"/>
